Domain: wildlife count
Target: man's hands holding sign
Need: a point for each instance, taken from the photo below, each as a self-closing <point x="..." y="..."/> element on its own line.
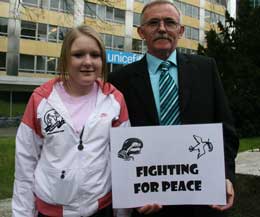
<point x="230" y="197"/>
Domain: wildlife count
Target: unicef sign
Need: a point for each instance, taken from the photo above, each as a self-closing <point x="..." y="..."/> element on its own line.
<point x="119" y="57"/>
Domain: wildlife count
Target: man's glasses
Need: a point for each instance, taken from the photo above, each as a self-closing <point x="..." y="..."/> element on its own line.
<point x="169" y="23"/>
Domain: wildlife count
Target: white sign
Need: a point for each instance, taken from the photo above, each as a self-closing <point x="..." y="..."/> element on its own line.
<point x="168" y="165"/>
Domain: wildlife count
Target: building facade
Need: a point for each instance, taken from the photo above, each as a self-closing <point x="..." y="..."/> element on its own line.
<point x="31" y="33"/>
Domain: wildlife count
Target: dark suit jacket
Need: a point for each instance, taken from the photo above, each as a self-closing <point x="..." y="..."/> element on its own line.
<point x="202" y="98"/>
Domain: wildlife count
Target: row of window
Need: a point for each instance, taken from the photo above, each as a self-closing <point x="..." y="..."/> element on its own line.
<point x="104" y="12"/>
<point x="38" y="64"/>
<point x="117" y="43"/>
<point x="221" y="2"/>
<point x="52" y="33"/>
<point x="33" y="64"/>
<point x="186" y="50"/>
<point x="187" y="9"/>
<point x="36" y="31"/>
<point x="66" y="6"/>
<point x="117" y="15"/>
<point x="44" y="64"/>
<point x="113" y="41"/>
<point x="41" y="64"/>
<point x="212" y="17"/>
<point x="42" y="32"/>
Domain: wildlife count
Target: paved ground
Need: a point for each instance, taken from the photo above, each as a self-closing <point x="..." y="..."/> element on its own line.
<point x="10" y="131"/>
<point x="5" y="208"/>
<point x="246" y="163"/>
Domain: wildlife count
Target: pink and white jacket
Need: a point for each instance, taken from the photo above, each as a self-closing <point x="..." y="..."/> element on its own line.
<point x="58" y="171"/>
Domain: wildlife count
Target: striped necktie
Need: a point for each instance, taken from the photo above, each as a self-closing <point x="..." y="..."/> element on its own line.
<point x="169" y="98"/>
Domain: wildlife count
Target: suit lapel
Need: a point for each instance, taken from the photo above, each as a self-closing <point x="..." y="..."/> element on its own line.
<point x="143" y="91"/>
<point x="185" y="74"/>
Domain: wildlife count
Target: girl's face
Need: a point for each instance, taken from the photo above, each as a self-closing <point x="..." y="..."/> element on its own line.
<point x="85" y="64"/>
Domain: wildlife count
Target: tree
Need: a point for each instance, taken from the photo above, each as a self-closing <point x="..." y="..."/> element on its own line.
<point x="236" y="50"/>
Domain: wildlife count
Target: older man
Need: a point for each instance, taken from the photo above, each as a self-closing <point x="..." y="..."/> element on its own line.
<point x="168" y="88"/>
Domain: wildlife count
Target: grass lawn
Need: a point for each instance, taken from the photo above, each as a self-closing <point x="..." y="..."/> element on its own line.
<point x="6" y="166"/>
<point x="247" y="187"/>
<point x="17" y="108"/>
<point x="249" y="144"/>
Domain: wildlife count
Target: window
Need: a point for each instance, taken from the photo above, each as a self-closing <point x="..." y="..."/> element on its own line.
<point x="26" y="63"/>
<point x="2" y="60"/>
<point x="51" y="65"/>
<point x="188" y="10"/>
<point x="42" y="32"/>
<point x="28" y="29"/>
<point x="108" y="41"/>
<point x="207" y="16"/>
<point x="62" y="32"/>
<point x="119" y="16"/>
<point x="195" y="34"/>
<point x="66" y="6"/>
<point x="118" y="42"/>
<point x="137" y="45"/>
<point x="212" y="17"/>
<point x="101" y="12"/>
<point x="54" y="5"/>
<point x="195" y="12"/>
<point x="41" y="64"/>
<point x="3" y="26"/>
<point x="109" y="14"/>
<point x="136" y="21"/>
<point x="187" y="32"/>
<point x="52" y="33"/>
<point x="191" y="33"/>
<point x="90" y="9"/>
<point x="30" y="2"/>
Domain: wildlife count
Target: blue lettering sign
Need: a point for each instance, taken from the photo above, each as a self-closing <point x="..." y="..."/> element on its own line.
<point x="119" y="57"/>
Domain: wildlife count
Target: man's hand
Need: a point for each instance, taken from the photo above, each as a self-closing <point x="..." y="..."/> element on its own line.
<point x="150" y="208"/>
<point x="230" y="197"/>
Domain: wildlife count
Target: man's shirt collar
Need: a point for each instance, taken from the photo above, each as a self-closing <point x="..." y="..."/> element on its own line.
<point x="154" y="62"/>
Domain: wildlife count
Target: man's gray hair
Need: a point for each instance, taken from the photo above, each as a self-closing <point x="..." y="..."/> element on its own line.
<point x="155" y="2"/>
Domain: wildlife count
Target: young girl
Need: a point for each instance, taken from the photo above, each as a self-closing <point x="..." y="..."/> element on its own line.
<point x="62" y="157"/>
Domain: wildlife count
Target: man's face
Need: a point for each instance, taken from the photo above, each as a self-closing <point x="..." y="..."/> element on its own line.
<point x="161" y="38"/>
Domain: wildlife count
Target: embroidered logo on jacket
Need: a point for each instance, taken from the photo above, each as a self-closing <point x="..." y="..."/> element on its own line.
<point x="53" y="120"/>
<point x="130" y="147"/>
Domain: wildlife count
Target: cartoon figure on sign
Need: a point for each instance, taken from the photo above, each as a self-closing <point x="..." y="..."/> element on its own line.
<point x="201" y="146"/>
<point x="130" y="147"/>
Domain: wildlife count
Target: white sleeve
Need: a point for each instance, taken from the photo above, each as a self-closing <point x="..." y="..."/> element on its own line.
<point x="27" y="153"/>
